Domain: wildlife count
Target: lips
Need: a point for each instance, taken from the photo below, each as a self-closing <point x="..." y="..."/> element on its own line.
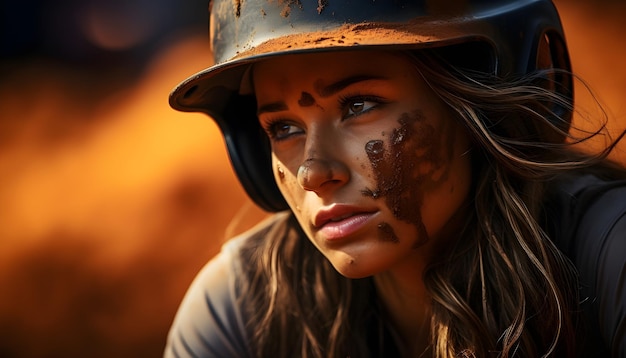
<point x="338" y="221"/>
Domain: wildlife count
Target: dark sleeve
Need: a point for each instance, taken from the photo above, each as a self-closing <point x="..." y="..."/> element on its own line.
<point x="600" y="256"/>
<point x="611" y="288"/>
<point x="209" y="322"/>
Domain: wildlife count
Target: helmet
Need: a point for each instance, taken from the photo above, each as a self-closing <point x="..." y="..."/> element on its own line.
<point x="514" y="37"/>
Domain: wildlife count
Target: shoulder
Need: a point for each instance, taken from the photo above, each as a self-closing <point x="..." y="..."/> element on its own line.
<point x="591" y="214"/>
<point x="586" y="213"/>
<point x="209" y="321"/>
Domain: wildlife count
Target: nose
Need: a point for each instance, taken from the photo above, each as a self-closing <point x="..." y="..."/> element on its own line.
<point x="318" y="174"/>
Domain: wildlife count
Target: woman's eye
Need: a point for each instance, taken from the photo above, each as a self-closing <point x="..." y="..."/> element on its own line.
<point x="358" y="106"/>
<point x="281" y="130"/>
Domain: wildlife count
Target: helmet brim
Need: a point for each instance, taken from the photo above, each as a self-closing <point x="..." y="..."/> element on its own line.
<point x="201" y="91"/>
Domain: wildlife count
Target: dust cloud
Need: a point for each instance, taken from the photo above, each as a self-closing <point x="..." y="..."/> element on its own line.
<point x="108" y="207"/>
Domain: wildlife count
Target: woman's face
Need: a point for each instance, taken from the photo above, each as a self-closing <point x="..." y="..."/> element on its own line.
<point x="371" y="162"/>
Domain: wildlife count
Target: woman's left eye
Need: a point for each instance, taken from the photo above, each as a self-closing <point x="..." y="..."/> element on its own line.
<point x="356" y="106"/>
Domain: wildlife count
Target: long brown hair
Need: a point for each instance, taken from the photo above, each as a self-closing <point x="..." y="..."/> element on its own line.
<point x="503" y="290"/>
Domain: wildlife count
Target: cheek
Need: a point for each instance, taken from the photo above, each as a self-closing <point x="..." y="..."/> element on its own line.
<point x="283" y="177"/>
<point x="287" y="183"/>
<point x="386" y="233"/>
<point x="412" y="162"/>
<point x="280" y="174"/>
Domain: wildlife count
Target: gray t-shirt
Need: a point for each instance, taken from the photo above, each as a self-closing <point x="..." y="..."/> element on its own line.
<point x="209" y="322"/>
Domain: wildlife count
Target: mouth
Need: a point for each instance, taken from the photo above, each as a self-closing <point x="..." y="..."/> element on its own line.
<point x="338" y="221"/>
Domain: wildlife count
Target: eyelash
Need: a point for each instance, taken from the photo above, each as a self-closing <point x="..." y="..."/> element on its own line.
<point x="346" y="100"/>
<point x="273" y="126"/>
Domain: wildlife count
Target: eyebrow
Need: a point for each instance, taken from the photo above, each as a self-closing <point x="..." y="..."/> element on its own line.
<point x="272" y="107"/>
<point x="331" y="89"/>
<point x="321" y="90"/>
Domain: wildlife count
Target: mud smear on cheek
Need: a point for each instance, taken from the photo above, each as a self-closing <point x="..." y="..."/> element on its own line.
<point x="413" y="163"/>
<point x="386" y="233"/>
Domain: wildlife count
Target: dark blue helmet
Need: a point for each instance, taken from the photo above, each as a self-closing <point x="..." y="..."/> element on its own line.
<point x="509" y="38"/>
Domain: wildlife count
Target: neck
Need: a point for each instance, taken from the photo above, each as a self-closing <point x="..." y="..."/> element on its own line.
<point x="407" y="303"/>
<point x="404" y="295"/>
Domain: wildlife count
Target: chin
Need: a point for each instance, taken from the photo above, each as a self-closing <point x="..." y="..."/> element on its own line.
<point x="354" y="274"/>
<point x="353" y="268"/>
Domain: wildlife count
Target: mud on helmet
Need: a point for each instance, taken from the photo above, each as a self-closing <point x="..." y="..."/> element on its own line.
<point x="514" y="37"/>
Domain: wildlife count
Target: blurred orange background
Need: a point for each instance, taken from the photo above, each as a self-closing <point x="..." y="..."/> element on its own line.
<point x="110" y="201"/>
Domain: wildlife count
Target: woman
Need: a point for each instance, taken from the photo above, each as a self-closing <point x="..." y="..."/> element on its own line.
<point x="432" y="200"/>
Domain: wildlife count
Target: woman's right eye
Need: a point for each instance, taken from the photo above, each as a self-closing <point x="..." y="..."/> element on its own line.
<point x="280" y="130"/>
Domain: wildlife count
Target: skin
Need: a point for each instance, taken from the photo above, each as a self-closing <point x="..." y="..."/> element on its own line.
<point x="363" y="131"/>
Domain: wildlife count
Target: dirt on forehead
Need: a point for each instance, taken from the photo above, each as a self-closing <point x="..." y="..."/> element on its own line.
<point x="349" y="35"/>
